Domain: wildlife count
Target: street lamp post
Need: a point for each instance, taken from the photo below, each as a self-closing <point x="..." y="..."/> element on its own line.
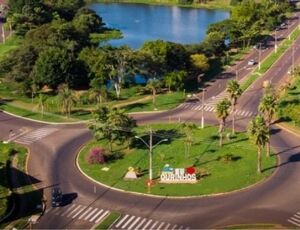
<point x="236" y="74"/>
<point x="151" y="147"/>
<point x="259" y="56"/>
<point x="275" y="41"/>
<point x="202" y="106"/>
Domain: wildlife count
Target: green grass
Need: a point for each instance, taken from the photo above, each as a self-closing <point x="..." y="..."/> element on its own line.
<point x="108" y="221"/>
<point x="11" y="43"/>
<point x="5" y="150"/>
<point x="205" y="156"/>
<point x="289" y="104"/>
<point x="163" y="102"/>
<point x="271" y="59"/>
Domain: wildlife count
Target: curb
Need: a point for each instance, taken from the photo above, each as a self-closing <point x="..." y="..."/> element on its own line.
<point x="175" y="197"/>
<point x="288" y="129"/>
<point x="45" y="122"/>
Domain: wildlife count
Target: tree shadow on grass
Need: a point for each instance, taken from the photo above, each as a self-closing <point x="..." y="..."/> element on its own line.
<point x="292" y="159"/>
<point x="170" y="135"/>
<point x="135" y="106"/>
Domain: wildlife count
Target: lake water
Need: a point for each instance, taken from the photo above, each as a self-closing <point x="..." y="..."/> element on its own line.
<point x="140" y="22"/>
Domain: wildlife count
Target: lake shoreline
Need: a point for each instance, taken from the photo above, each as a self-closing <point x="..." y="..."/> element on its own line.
<point x="165" y="3"/>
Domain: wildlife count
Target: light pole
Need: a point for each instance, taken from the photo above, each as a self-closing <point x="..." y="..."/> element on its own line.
<point x="202" y="107"/>
<point x="236" y="74"/>
<point x="259" y="56"/>
<point x="293" y="58"/>
<point x="151" y="147"/>
<point x="275" y="41"/>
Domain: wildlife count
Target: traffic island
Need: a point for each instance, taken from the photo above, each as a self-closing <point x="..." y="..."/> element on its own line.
<point x="186" y="164"/>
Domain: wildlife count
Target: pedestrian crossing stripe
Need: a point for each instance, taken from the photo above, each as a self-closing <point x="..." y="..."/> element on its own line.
<point x="295" y="219"/>
<point x="36" y="135"/>
<point x="135" y="222"/>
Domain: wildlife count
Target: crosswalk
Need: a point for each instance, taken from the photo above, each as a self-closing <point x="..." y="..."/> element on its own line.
<point x="79" y="212"/>
<point x="136" y="222"/>
<point x="295" y="220"/>
<point x="210" y="108"/>
<point x="36" y="135"/>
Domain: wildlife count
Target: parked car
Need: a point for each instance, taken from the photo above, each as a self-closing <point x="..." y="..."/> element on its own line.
<point x="56" y="199"/>
<point x="251" y="62"/>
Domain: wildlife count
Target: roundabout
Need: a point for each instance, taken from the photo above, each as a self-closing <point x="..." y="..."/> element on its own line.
<point x="218" y="169"/>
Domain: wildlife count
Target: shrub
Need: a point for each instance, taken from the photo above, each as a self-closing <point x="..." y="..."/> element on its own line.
<point x="96" y="156"/>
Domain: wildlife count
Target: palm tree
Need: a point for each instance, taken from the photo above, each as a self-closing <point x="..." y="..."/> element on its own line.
<point x="259" y="133"/>
<point x="66" y="98"/>
<point x="98" y="91"/>
<point x="267" y="107"/>
<point x="153" y="85"/>
<point x="41" y="103"/>
<point x="234" y="90"/>
<point x="222" y="113"/>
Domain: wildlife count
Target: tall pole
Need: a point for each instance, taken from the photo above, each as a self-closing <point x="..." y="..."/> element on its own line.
<point x="289" y="29"/>
<point x="293" y="58"/>
<point x="236" y="74"/>
<point x="275" y="41"/>
<point x="259" y="56"/>
<point x="202" y="116"/>
<point x="150" y="154"/>
<point x="3" y="34"/>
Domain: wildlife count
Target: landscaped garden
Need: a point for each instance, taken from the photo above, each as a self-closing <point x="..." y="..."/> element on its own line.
<point x="219" y="169"/>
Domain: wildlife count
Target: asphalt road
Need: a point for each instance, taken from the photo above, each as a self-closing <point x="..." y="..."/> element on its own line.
<point x="52" y="162"/>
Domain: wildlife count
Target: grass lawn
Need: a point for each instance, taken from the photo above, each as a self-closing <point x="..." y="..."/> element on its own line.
<point x="289" y="105"/>
<point x="11" y="43"/>
<point x="271" y="59"/>
<point x="5" y="155"/>
<point x="108" y="221"/>
<point x="205" y="155"/>
<point x="255" y="226"/>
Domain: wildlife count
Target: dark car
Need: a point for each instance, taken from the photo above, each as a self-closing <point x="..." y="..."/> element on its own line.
<point x="56" y="200"/>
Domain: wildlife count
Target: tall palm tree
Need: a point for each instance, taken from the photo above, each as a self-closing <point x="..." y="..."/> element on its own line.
<point x="259" y="133"/>
<point x="67" y="99"/>
<point x="267" y="107"/>
<point x="235" y="91"/>
<point x="153" y="85"/>
<point x="42" y="103"/>
<point x="222" y="112"/>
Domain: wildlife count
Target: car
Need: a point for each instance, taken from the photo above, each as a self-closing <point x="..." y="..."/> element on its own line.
<point x="251" y="62"/>
<point x="56" y="199"/>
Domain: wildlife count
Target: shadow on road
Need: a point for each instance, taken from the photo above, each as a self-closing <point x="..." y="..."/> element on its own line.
<point x="292" y="159"/>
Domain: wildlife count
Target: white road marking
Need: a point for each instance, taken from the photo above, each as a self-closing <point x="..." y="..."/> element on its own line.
<point x="167" y="226"/>
<point x="74" y="210"/>
<point x="134" y="222"/>
<point x="295" y="219"/>
<point x="128" y="221"/>
<point x="98" y="213"/>
<point x="76" y="214"/>
<point x="122" y="220"/>
<point x="155" y="223"/>
<point x="149" y="222"/>
<point x="293" y="222"/>
<point x="102" y="216"/>
<point x="90" y="214"/>
<point x="140" y="224"/>
<point x="159" y="227"/>
<point x="68" y="209"/>
<point x="82" y="215"/>
<point x="174" y="227"/>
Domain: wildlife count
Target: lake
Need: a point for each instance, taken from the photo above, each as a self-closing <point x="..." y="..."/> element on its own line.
<point x="141" y="22"/>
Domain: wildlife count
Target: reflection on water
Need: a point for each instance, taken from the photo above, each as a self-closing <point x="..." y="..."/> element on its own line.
<point x="139" y="22"/>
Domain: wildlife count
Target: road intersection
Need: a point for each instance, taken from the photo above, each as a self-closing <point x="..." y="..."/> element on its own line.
<point x="53" y="156"/>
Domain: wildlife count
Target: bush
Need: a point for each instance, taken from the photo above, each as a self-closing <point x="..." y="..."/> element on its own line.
<point x="96" y="156"/>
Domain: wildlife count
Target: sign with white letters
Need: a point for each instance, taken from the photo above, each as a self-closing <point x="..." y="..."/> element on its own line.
<point x="178" y="175"/>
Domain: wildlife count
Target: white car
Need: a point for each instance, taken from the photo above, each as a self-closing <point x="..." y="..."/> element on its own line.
<point x="251" y="62"/>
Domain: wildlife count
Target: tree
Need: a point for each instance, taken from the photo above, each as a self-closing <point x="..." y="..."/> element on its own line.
<point x="268" y="107"/>
<point x="98" y="91"/>
<point x="259" y="133"/>
<point x="188" y="131"/>
<point x="67" y="99"/>
<point x="222" y="113"/>
<point x="214" y="44"/>
<point x="174" y="80"/>
<point x="41" y="103"/>
<point x="234" y="90"/>
<point x="153" y="85"/>
<point x="112" y="124"/>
